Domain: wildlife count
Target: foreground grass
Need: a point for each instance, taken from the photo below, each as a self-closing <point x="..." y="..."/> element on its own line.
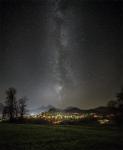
<point x="36" y="137"/>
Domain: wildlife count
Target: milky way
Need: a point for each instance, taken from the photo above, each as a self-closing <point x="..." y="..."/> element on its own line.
<point x="61" y="62"/>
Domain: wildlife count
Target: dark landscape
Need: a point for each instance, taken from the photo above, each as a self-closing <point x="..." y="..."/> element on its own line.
<point x="37" y="137"/>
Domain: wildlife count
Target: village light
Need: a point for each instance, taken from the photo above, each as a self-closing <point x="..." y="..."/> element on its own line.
<point x="103" y="121"/>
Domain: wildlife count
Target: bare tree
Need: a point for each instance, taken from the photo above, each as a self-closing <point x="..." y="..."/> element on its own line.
<point x="5" y="112"/>
<point x="116" y="107"/>
<point x="120" y="107"/>
<point x="120" y="99"/>
<point x="112" y="104"/>
<point x="11" y="102"/>
<point x="22" y="106"/>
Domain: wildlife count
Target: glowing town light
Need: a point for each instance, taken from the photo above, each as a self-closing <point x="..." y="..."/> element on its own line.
<point x="32" y="114"/>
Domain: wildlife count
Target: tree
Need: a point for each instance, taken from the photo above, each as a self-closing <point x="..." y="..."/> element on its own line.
<point x="120" y="99"/>
<point x="112" y="105"/>
<point x="120" y="107"/>
<point x="22" y="106"/>
<point x="5" y="112"/>
<point x="10" y="108"/>
<point x="116" y="107"/>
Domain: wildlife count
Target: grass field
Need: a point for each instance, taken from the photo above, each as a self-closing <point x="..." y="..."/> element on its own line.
<point x="37" y="137"/>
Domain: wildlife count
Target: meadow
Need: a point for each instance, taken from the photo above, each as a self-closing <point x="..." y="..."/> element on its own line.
<point x="39" y="137"/>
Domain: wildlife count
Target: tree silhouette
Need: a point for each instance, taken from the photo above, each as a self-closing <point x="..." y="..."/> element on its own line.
<point x="120" y="98"/>
<point x="112" y="105"/>
<point x="5" y="112"/>
<point x="120" y="107"/>
<point x="116" y="107"/>
<point x="22" y="106"/>
<point x="10" y="109"/>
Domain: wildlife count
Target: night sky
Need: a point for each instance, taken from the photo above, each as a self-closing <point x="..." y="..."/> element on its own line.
<point x="61" y="52"/>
